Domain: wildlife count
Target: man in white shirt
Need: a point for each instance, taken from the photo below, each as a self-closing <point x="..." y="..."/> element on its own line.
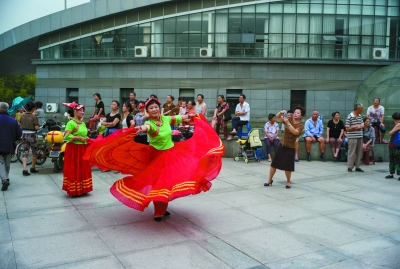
<point x="376" y="113"/>
<point x="242" y="113"/>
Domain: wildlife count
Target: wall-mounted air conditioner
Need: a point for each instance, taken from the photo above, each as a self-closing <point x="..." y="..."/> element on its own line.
<point x="140" y="51"/>
<point x="205" y="52"/>
<point x="380" y="53"/>
<point x="52" y="107"/>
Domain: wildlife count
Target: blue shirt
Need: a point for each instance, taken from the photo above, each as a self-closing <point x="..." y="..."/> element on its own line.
<point x="10" y="131"/>
<point x="311" y="129"/>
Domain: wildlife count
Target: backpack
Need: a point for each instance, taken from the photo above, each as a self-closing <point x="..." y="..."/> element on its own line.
<point x="254" y="139"/>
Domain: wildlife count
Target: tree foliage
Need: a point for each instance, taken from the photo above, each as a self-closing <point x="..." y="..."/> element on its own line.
<point x="19" y="85"/>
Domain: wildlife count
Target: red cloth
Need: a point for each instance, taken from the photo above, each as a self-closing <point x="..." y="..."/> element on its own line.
<point x="77" y="172"/>
<point x="157" y="174"/>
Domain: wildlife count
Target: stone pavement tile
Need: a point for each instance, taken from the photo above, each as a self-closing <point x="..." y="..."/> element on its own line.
<point x="109" y="262"/>
<point x="221" y="184"/>
<point x="32" y="203"/>
<point x="340" y="197"/>
<point x="225" y="221"/>
<point x="186" y="227"/>
<point x="391" y="188"/>
<point x="40" y="252"/>
<point x="32" y="190"/>
<point x="332" y="186"/>
<point x="96" y="198"/>
<point x="364" y="180"/>
<point x="366" y="246"/>
<point x="7" y="260"/>
<point x="137" y="236"/>
<point x="323" y="205"/>
<point x="351" y="264"/>
<point x="41" y="211"/>
<point x="3" y="216"/>
<point x="182" y="255"/>
<point x="227" y="253"/>
<point x="196" y="204"/>
<point x="394" y="235"/>
<point x="278" y="212"/>
<point x="388" y="258"/>
<point x="270" y="244"/>
<point x="47" y="224"/>
<point x="327" y="232"/>
<point x="100" y="217"/>
<point x="245" y="180"/>
<point x="242" y="198"/>
<point x="5" y="234"/>
<point x="309" y="260"/>
<point x="279" y="191"/>
<point x="370" y="219"/>
<point x="376" y="197"/>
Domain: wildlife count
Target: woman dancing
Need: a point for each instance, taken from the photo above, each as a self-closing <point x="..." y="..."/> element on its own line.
<point x="154" y="167"/>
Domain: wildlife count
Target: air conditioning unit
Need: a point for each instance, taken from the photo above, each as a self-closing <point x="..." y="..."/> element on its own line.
<point x="140" y="51"/>
<point x="380" y="53"/>
<point x="52" y="107"/>
<point x="205" y="52"/>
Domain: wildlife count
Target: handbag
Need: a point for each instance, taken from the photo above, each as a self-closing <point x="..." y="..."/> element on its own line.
<point x="396" y="139"/>
<point x="227" y="115"/>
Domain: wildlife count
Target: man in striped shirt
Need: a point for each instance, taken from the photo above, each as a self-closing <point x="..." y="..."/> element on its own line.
<point x="354" y="126"/>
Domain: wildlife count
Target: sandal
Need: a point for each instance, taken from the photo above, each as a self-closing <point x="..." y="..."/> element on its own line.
<point x="389" y="176"/>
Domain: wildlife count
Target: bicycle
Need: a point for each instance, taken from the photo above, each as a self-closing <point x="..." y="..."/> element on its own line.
<point x="43" y="150"/>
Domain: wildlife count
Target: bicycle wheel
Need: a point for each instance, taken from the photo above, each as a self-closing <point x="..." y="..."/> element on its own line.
<point x="19" y="155"/>
<point x="42" y="155"/>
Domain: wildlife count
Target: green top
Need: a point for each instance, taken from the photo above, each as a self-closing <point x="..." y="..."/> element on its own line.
<point x="161" y="136"/>
<point x="69" y="131"/>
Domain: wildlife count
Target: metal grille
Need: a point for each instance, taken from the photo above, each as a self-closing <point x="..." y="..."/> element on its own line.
<point x="144" y="14"/>
<point x="182" y="6"/>
<point x="75" y="31"/>
<point x="120" y="19"/>
<point x="97" y="25"/>
<point x="195" y="4"/>
<point x="156" y="11"/>
<point x="64" y="35"/>
<point x="235" y="2"/>
<point x="44" y="41"/>
<point x="208" y="3"/>
<point x="132" y="16"/>
<point x="221" y="2"/>
<point x="86" y="28"/>
<point x="169" y="8"/>
<point x="108" y="22"/>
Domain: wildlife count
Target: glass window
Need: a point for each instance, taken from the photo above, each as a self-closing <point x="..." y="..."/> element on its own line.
<point x="356" y="2"/>
<point x="316" y="8"/>
<point x="157" y="27"/>
<point x="169" y="38"/>
<point x="262" y="23"/>
<point x="132" y="30"/>
<point x="182" y="24"/>
<point x="182" y="38"/>
<point x="262" y="8"/>
<point x="393" y="3"/>
<point x="368" y="2"/>
<point x="232" y="98"/>
<point x="289" y="8"/>
<point x="170" y="25"/>
<point x="329" y="9"/>
<point x="380" y="11"/>
<point x="195" y="23"/>
<point x="276" y="7"/>
<point x="248" y="9"/>
<point x="234" y="23"/>
<point x="355" y="10"/>
<point x="393" y="11"/>
<point x="343" y="1"/>
<point x="298" y="97"/>
<point x="303" y="8"/>
<point x="381" y="2"/>
<point x="187" y="94"/>
<point x="195" y="38"/>
<point x="342" y="9"/>
<point x="248" y="23"/>
<point x="72" y="95"/>
<point x="368" y="10"/>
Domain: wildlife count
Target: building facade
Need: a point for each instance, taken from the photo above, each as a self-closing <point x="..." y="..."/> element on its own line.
<point x="278" y="53"/>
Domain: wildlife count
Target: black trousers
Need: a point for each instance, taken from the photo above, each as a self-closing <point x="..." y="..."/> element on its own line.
<point x="236" y="122"/>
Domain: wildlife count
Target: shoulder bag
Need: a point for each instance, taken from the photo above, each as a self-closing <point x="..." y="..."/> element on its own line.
<point x="396" y="139"/>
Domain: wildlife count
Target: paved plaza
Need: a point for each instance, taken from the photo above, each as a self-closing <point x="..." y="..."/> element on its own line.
<point x="328" y="219"/>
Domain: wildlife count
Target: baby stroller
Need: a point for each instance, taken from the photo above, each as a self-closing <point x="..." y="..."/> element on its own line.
<point x="248" y="148"/>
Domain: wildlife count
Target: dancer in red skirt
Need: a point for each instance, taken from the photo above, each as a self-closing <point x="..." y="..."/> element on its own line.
<point x="157" y="168"/>
<point x="77" y="172"/>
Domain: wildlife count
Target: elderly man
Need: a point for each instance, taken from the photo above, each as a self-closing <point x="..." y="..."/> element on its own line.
<point x="242" y="113"/>
<point x="313" y="130"/>
<point x="376" y="113"/>
<point x="354" y="128"/>
<point x="10" y="132"/>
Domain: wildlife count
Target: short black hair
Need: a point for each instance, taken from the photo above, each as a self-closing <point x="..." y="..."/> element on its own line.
<point x="244" y="96"/>
<point x="202" y="96"/>
<point x="115" y="101"/>
<point x="334" y="114"/>
<point x="222" y="96"/>
<point x="271" y="115"/>
<point x="153" y="96"/>
<point x="365" y="119"/>
<point x="396" y="116"/>
<point x="39" y="104"/>
<point x="98" y="95"/>
<point x="128" y="106"/>
<point x="30" y="105"/>
<point x="290" y="111"/>
<point x="193" y="103"/>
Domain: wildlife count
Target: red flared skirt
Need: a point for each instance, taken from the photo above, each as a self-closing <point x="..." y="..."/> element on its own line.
<point x="77" y="172"/>
<point x="159" y="175"/>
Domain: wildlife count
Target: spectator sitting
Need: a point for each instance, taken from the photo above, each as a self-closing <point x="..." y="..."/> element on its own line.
<point x="334" y="134"/>
<point x="376" y="113"/>
<point x="368" y="135"/>
<point x="182" y="108"/>
<point x="242" y="113"/>
<point x="271" y="130"/>
<point x="201" y="107"/>
<point x="296" y="154"/>
<point x="190" y="111"/>
<point x="313" y="133"/>
<point x="168" y="106"/>
<point x="134" y="107"/>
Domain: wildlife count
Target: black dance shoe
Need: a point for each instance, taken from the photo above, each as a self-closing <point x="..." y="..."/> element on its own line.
<point x="158" y="219"/>
<point x="167" y="213"/>
<point x="268" y="184"/>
